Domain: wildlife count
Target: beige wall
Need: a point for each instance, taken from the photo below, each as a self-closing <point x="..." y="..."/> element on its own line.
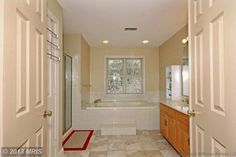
<point x="76" y="45"/>
<point x="1" y="69"/>
<point x="85" y="72"/>
<point x="72" y="47"/>
<point x="171" y="53"/>
<point x="72" y="44"/>
<point x="97" y="66"/>
<point x="57" y="11"/>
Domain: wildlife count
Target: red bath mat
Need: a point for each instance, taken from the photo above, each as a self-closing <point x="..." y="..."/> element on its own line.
<point x="77" y="140"/>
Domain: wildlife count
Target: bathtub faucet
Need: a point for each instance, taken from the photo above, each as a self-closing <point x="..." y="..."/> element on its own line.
<point x="97" y="101"/>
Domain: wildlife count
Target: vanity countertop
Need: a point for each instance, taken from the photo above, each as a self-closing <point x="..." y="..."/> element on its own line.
<point x="177" y="105"/>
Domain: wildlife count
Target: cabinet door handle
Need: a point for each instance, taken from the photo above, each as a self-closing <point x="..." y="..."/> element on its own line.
<point x="165" y="122"/>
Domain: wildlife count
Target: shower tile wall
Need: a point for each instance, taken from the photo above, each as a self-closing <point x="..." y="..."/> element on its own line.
<point x="151" y="96"/>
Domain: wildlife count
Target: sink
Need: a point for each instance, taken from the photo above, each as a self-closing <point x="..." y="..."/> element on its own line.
<point x="185" y="108"/>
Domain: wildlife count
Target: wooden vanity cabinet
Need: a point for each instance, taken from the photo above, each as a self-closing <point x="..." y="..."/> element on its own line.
<point x="174" y="126"/>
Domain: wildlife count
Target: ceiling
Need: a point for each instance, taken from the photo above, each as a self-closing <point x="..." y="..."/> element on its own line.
<point x="98" y="20"/>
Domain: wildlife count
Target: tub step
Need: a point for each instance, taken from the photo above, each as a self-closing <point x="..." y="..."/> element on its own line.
<point x="116" y="128"/>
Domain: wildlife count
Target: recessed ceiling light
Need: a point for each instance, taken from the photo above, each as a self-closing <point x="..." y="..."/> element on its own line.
<point x="145" y="41"/>
<point x="105" y="41"/>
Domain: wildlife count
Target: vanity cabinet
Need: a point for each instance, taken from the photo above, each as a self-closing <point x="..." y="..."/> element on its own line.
<point x="174" y="126"/>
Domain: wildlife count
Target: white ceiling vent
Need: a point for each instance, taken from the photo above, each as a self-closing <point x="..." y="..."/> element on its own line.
<point x="131" y="29"/>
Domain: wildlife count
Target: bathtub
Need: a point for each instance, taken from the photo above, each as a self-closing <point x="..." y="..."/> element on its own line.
<point x="115" y="105"/>
<point x="144" y="114"/>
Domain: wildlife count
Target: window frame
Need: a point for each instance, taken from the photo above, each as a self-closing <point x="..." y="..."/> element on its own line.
<point x="124" y="58"/>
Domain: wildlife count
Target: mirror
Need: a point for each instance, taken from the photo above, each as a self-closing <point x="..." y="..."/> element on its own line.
<point x="185" y="71"/>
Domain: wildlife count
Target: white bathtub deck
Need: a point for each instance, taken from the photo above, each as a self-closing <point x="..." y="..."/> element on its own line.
<point x="145" y="116"/>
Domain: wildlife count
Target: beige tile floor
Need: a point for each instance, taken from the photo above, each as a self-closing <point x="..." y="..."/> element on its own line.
<point x="144" y="144"/>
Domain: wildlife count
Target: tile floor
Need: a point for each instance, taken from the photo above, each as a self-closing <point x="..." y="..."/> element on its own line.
<point x="144" y="144"/>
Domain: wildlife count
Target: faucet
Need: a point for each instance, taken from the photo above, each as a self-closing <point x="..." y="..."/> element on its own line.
<point x="97" y="101"/>
<point x="185" y="99"/>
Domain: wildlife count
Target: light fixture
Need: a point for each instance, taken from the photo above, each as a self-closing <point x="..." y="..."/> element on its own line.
<point x="105" y="41"/>
<point x="145" y="41"/>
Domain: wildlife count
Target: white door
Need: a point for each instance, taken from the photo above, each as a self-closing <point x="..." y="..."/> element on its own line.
<point x="213" y="75"/>
<point x="53" y="97"/>
<point x="24" y="74"/>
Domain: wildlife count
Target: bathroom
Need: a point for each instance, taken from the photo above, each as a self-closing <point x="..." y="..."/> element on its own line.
<point x="133" y="78"/>
<point x="94" y="108"/>
<point x="97" y="105"/>
<point x="104" y="96"/>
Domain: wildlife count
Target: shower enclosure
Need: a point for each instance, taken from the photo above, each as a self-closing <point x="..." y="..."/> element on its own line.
<point x="67" y="109"/>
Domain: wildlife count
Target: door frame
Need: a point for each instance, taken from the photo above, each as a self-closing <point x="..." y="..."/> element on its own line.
<point x="1" y="68"/>
<point x="56" y="111"/>
<point x="190" y="75"/>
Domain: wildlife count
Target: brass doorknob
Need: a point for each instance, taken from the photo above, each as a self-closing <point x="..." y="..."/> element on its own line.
<point x="47" y="114"/>
<point x="193" y="113"/>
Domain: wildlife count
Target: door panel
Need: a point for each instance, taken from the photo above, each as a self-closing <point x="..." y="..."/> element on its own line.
<point x="212" y="57"/>
<point x="22" y="64"/>
<point x="24" y="74"/>
<point x="182" y="134"/>
<point x="217" y="64"/>
<point x="198" y="39"/>
<point x="163" y="123"/>
<point x="200" y="144"/>
<point x="172" y="130"/>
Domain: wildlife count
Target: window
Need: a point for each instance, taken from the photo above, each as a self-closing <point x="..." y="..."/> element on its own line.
<point x="124" y="76"/>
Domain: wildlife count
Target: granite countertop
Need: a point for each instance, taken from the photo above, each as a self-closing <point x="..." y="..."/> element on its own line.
<point x="177" y="105"/>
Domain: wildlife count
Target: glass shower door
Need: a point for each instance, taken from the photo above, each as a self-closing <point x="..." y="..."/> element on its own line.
<point x="67" y="112"/>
